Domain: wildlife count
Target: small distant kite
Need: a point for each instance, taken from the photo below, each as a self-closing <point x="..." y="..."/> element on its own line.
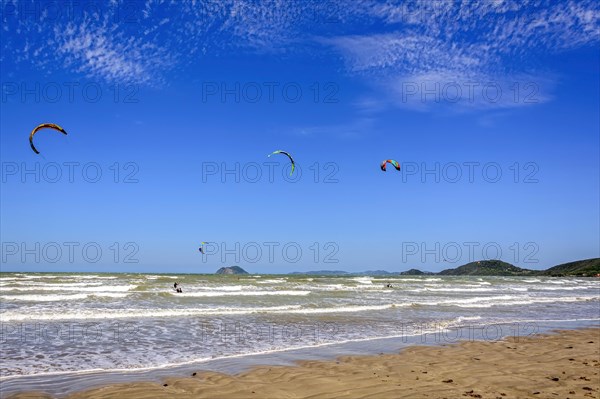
<point x="394" y="163"/>
<point x="288" y="155"/>
<point x="40" y="127"/>
<point x="201" y="249"/>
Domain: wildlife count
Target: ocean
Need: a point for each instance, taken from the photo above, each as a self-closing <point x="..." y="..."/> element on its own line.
<point x="72" y="323"/>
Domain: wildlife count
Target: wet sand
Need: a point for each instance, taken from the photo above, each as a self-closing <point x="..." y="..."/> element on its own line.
<point x="562" y="365"/>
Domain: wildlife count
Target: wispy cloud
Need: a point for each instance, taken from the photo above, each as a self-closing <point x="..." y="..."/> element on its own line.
<point x="138" y="42"/>
<point x="387" y="43"/>
<point x="263" y="25"/>
<point x="101" y="51"/>
<point x="354" y="128"/>
<point x="432" y="53"/>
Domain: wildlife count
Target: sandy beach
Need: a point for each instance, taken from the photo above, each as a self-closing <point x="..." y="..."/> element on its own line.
<point x="562" y="365"/>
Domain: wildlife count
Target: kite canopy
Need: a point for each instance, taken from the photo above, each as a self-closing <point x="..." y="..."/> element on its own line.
<point x="201" y="249"/>
<point x="40" y="127"/>
<point x="288" y="155"/>
<point x="394" y="163"/>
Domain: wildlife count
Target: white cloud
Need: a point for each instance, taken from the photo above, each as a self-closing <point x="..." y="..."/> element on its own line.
<point x="465" y="92"/>
<point x="464" y="42"/>
<point x="398" y="50"/>
<point x="99" y="51"/>
<point x="384" y="41"/>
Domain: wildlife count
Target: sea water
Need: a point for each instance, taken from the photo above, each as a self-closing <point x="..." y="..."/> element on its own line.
<point x="63" y="324"/>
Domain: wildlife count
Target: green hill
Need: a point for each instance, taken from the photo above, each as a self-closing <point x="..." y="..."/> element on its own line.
<point x="487" y="268"/>
<point x="587" y="267"/>
<point x="415" y="272"/>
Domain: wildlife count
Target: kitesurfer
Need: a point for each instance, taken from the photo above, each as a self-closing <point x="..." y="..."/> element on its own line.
<point x="177" y="288"/>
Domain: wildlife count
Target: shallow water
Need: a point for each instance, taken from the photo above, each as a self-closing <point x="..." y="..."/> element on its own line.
<point x="71" y="323"/>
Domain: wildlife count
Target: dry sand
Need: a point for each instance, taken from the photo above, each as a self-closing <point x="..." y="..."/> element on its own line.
<point x="564" y="365"/>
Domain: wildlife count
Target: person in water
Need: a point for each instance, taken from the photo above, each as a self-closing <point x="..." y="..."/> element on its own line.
<point x="177" y="288"/>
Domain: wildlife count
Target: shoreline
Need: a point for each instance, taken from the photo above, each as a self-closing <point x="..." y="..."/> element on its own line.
<point x="58" y="386"/>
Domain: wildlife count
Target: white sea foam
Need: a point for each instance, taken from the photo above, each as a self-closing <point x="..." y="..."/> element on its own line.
<point x="68" y="276"/>
<point x="58" y="297"/>
<point x="512" y="302"/>
<point x="346" y="309"/>
<point x="87" y="277"/>
<point x="96" y="314"/>
<point x="448" y="289"/>
<point x="343" y="287"/>
<point x="156" y="277"/>
<point x="63" y="287"/>
<point x="25" y="277"/>
<point x="43" y="298"/>
<point x="59" y="285"/>
<point x="562" y="288"/>
<point x="34" y="277"/>
<point x="330" y="287"/>
<point x="294" y="309"/>
<point x="226" y="287"/>
<point x="461" y="319"/>
<point x="272" y="281"/>
<point x="155" y="313"/>
<point x="241" y="293"/>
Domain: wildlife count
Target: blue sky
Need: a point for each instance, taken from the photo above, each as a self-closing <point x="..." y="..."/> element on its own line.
<point x="491" y="108"/>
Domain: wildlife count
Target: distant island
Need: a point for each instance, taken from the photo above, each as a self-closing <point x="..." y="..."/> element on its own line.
<point x="488" y="268"/>
<point x="580" y="268"/>
<point x="415" y="272"/>
<point x="231" y="270"/>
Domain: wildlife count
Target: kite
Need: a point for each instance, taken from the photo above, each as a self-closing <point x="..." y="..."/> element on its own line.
<point x="40" y="127"/>
<point x="288" y="155"/>
<point x="201" y="249"/>
<point x="394" y="163"/>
